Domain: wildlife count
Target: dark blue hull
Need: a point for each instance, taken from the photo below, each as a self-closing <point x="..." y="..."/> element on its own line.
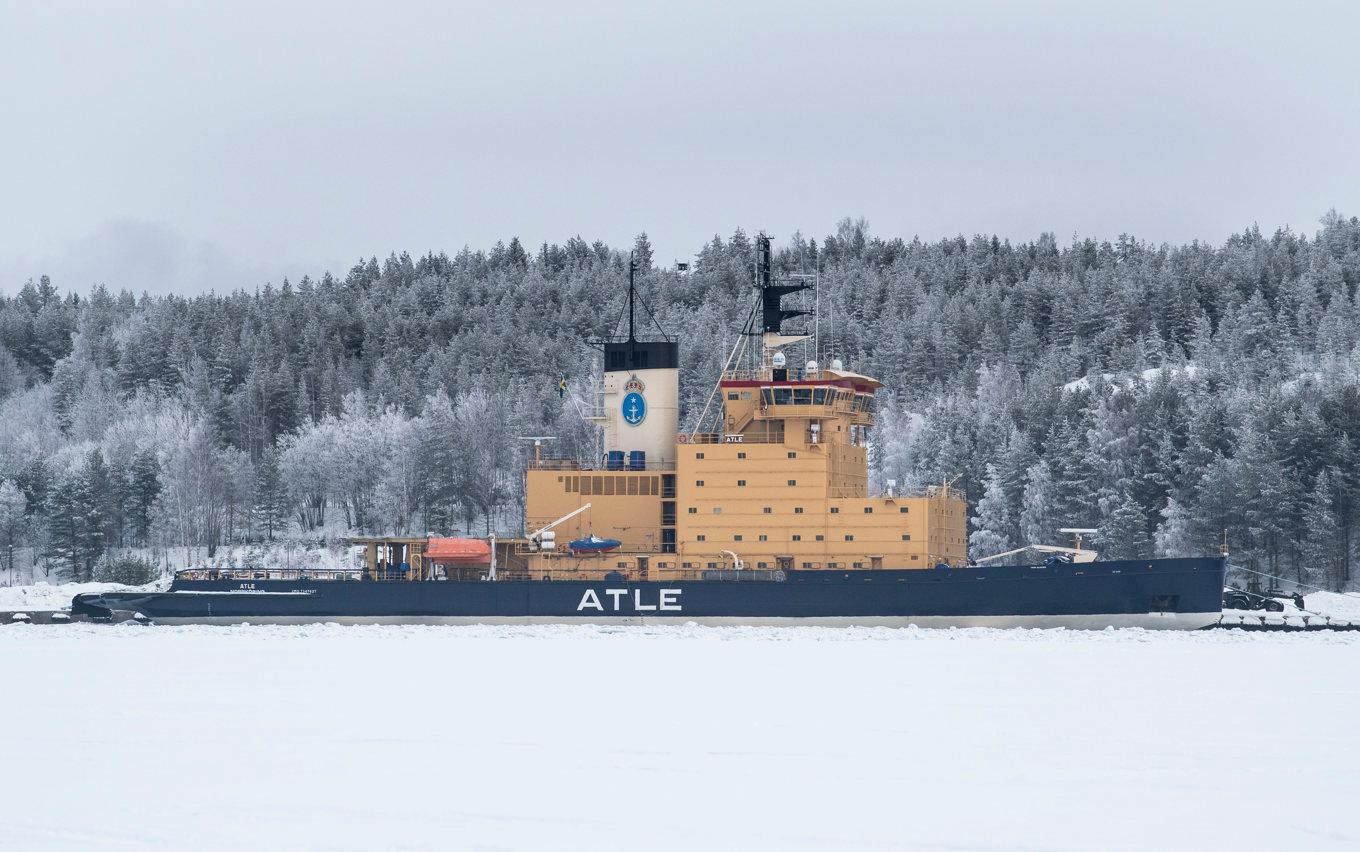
<point x="1157" y="593"/>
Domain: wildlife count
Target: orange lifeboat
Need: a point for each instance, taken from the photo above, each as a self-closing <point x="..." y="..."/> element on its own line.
<point x="459" y="551"/>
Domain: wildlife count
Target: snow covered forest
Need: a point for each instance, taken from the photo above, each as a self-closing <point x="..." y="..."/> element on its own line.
<point x="1160" y="393"/>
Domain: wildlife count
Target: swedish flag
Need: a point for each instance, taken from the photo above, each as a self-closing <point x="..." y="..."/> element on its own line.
<point x="561" y="387"/>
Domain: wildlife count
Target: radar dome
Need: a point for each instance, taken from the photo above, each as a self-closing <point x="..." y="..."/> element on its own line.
<point x="779" y="360"/>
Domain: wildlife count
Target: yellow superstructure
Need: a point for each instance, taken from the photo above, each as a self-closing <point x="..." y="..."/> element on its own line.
<point x="783" y="486"/>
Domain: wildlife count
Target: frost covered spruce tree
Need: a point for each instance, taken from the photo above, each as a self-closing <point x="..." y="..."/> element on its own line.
<point x="13" y="520"/>
<point x="272" y="506"/>
<point x="1038" y="523"/>
<point x="1124" y="533"/>
<point x="990" y="520"/>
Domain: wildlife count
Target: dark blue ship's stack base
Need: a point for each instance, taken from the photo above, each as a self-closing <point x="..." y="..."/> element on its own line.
<point x="1091" y="589"/>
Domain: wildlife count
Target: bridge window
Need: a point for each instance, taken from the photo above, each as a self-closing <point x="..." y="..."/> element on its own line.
<point x="783" y="396"/>
<point x="802" y="396"/>
<point x="732" y="395"/>
<point x="819" y="396"/>
<point x="765" y="396"/>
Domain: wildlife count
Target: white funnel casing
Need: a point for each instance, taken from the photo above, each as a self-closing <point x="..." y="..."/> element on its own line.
<point x="641" y="399"/>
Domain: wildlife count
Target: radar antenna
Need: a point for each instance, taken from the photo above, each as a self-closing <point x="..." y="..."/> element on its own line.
<point x="538" y="444"/>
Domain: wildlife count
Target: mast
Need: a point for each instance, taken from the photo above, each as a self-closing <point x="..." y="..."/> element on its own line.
<point x="632" y="270"/>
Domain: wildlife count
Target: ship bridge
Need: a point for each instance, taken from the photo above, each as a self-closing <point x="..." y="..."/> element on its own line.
<point x="774" y="403"/>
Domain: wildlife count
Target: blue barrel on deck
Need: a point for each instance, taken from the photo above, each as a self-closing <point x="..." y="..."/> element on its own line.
<point x="637" y="460"/>
<point x="614" y="461"/>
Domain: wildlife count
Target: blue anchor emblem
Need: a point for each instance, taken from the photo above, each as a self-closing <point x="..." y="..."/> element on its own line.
<point x="634" y="408"/>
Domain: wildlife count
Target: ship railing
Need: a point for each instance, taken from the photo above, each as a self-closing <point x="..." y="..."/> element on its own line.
<point x="861" y="492"/>
<point x="602" y="466"/>
<point x="337" y="575"/>
<point x="555" y="464"/>
<point x="764" y="374"/>
<point x="722" y="438"/>
<point x="234" y="574"/>
<point x="669" y="575"/>
<point x="563" y="552"/>
<point x="849" y="493"/>
<point x="746" y="375"/>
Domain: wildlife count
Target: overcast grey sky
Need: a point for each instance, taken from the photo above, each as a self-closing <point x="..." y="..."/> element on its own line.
<point x="178" y="146"/>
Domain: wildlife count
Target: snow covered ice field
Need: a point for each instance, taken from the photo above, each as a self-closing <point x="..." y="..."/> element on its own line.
<point x="328" y="737"/>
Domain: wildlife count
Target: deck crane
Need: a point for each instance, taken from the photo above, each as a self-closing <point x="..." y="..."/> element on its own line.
<point x="1077" y="553"/>
<point x="537" y="535"/>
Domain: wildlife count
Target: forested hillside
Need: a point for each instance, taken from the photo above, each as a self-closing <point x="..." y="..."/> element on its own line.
<point x="1160" y="393"/>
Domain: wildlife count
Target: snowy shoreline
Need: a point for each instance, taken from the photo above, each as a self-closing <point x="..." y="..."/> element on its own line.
<point x="686" y="633"/>
<point x="589" y="738"/>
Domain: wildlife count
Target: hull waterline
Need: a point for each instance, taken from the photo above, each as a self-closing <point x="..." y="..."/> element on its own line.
<point x="1163" y="593"/>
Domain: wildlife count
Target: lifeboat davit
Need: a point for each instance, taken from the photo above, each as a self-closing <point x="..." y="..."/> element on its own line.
<point x="593" y="544"/>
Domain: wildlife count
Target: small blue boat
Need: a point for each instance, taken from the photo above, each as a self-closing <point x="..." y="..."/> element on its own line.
<point x="594" y="544"/>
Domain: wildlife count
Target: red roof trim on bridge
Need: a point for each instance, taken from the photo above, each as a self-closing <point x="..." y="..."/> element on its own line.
<point x="807" y="383"/>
